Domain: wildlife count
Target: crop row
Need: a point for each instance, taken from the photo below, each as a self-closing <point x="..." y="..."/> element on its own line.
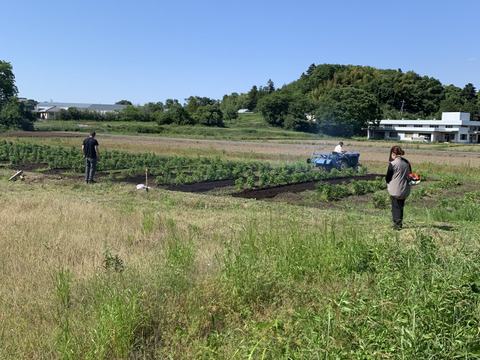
<point x="329" y="192"/>
<point x="166" y="169"/>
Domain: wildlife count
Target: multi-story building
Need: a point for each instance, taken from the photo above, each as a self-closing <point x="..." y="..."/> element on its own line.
<point x="453" y="127"/>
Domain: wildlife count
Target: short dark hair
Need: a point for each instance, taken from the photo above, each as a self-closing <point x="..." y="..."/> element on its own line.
<point x="341" y="143"/>
<point x="92" y="133"/>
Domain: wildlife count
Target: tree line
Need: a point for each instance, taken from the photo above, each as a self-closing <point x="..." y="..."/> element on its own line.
<point x="342" y="99"/>
<point x="13" y="113"/>
<point x="332" y="99"/>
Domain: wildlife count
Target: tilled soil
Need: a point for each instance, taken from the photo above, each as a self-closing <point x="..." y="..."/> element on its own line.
<point x="271" y="192"/>
<point x="224" y="187"/>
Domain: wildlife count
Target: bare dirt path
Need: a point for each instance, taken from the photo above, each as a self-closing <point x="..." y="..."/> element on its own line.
<point x="369" y="151"/>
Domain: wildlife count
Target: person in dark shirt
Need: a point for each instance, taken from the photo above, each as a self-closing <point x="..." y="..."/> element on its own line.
<point x="91" y="156"/>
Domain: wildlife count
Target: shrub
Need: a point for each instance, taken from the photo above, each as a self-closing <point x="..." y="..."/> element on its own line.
<point x="332" y="192"/>
<point x="239" y="183"/>
<point x="251" y="181"/>
<point x="379" y="201"/>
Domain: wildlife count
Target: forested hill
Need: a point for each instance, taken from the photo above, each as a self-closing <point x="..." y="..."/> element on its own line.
<point x="344" y="97"/>
<point x="391" y="88"/>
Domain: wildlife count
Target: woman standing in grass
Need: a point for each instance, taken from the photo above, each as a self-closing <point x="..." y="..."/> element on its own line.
<point x="397" y="184"/>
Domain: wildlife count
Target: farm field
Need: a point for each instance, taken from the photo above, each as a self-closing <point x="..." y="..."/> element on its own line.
<point x="273" y="150"/>
<point x="222" y="269"/>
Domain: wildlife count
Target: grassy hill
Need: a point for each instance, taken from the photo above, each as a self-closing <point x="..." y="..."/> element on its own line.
<point x="246" y="127"/>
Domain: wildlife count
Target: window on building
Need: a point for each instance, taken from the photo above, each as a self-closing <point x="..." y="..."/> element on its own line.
<point x="463" y="136"/>
<point x="417" y="125"/>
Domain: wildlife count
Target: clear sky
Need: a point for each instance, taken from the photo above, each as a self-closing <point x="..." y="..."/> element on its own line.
<point x="103" y="51"/>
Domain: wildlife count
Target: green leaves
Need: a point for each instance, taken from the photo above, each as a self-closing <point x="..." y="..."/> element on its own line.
<point x="7" y="82"/>
<point x="343" y="112"/>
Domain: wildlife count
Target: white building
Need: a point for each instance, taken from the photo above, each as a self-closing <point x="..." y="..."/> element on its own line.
<point x="48" y="110"/>
<point x="453" y="127"/>
<point x="244" y="111"/>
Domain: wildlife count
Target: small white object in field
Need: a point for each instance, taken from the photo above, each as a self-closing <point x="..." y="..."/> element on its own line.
<point x="142" y="186"/>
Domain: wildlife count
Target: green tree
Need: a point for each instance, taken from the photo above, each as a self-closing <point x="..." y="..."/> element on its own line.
<point x="209" y="115"/>
<point x="311" y="69"/>
<point x="344" y="111"/>
<point x="453" y="100"/>
<point x="252" y="98"/>
<point x="7" y="82"/>
<point x="192" y="105"/>
<point x="123" y="102"/>
<point x="14" y="114"/>
<point x="30" y="104"/>
<point x="174" y="115"/>
<point x="203" y="101"/>
<point x="132" y="113"/>
<point x="170" y="103"/>
<point x="230" y="113"/>
<point x="274" y="108"/>
<point x="300" y="124"/>
<point x="460" y="100"/>
<point x="74" y="113"/>
<point x="63" y="115"/>
<point x="152" y="107"/>
<point x="300" y="114"/>
<point x="270" y="86"/>
<point x="230" y="106"/>
<point x="469" y="93"/>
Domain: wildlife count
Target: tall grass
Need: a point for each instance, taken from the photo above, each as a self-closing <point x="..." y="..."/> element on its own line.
<point x="107" y="272"/>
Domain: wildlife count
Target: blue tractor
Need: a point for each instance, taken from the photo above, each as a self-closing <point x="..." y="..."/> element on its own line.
<point x="334" y="160"/>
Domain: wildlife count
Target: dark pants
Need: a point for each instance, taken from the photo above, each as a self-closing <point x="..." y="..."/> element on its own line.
<point x="90" y="167"/>
<point x="397" y="210"/>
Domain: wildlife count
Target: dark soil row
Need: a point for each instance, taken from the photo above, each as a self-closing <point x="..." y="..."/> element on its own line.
<point x="271" y="192"/>
<point x="260" y="193"/>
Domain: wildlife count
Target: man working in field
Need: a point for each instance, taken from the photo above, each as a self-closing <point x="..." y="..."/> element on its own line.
<point x="91" y="156"/>
<point x="339" y="148"/>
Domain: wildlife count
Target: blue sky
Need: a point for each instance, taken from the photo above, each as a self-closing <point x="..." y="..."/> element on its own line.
<point x="103" y="51"/>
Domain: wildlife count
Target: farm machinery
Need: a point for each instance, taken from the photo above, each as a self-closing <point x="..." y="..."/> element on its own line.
<point x="335" y="160"/>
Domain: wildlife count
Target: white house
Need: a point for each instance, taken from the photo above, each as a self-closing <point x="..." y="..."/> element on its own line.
<point x="453" y="127"/>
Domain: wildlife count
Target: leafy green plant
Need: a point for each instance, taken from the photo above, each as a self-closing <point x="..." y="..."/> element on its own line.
<point x="112" y="262"/>
<point x="330" y="192"/>
<point x="250" y="181"/>
<point x="239" y="183"/>
<point x="379" y="200"/>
